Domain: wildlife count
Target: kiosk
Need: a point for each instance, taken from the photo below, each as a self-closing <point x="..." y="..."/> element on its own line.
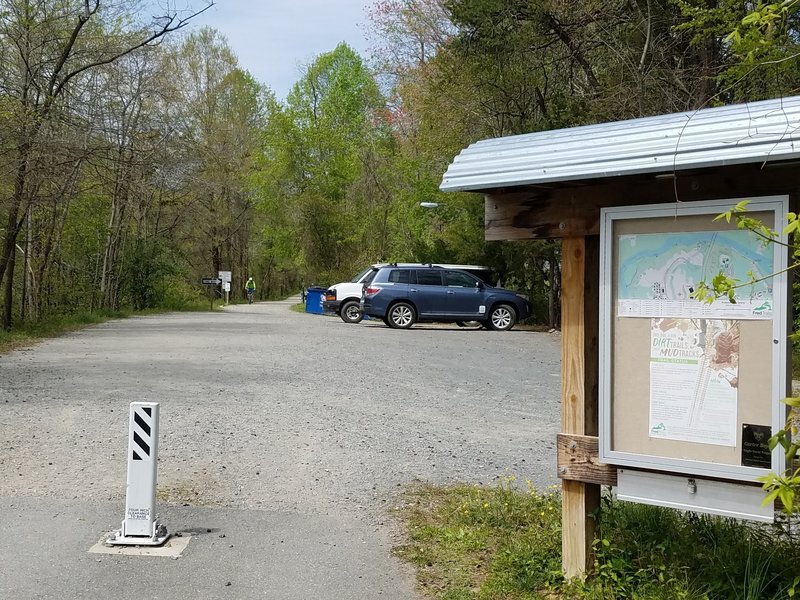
<point x="661" y="427"/>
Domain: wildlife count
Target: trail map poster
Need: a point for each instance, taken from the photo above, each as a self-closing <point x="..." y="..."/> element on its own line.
<point x="658" y="272"/>
<point x="694" y="374"/>
<point x="681" y="382"/>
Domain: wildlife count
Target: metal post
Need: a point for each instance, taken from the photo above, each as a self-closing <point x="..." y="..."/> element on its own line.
<point x="141" y="526"/>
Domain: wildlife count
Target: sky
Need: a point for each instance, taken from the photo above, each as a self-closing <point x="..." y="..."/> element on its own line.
<point x="275" y="38"/>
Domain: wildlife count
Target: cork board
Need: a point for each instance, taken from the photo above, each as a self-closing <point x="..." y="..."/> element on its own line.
<point x="628" y="369"/>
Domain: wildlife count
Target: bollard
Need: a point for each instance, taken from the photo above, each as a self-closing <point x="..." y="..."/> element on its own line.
<point x="140" y="526"/>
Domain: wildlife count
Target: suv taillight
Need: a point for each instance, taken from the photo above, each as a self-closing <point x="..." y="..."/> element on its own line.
<point x="371" y="291"/>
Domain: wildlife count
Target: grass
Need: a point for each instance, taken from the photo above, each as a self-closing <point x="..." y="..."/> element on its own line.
<point x="473" y="543"/>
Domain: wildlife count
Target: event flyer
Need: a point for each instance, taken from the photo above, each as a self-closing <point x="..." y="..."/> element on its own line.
<point x="694" y="371"/>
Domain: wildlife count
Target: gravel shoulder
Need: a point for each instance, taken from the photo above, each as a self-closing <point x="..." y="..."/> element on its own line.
<point x="266" y="409"/>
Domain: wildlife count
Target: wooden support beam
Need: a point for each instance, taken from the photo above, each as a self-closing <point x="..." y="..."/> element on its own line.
<point x="579" y="291"/>
<point x="563" y="211"/>
<point x="578" y="460"/>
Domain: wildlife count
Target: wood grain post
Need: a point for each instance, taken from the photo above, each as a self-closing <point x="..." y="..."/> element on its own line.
<point x="579" y="368"/>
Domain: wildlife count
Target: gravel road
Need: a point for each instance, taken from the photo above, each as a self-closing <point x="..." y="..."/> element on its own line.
<point x="263" y="408"/>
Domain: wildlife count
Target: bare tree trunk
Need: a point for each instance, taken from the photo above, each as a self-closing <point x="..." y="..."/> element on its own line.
<point x="109" y="283"/>
<point x="26" y="276"/>
<point x="9" y="292"/>
<point x="52" y="242"/>
<point x="13" y="226"/>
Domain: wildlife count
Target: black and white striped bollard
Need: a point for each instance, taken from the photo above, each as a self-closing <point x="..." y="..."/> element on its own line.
<point x="140" y="526"/>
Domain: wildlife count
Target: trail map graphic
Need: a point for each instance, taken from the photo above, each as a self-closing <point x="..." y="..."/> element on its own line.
<point x="659" y="272"/>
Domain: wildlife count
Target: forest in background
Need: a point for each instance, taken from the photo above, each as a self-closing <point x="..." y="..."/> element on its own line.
<point x="138" y="156"/>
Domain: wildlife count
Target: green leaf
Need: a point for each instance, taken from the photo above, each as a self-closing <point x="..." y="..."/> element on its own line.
<point x="787" y="498"/>
<point x="770" y="498"/>
<point x="791" y="453"/>
<point x="751" y="19"/>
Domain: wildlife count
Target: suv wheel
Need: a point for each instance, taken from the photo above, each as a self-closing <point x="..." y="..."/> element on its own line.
<point x="351" y="312"/>
<point x="502" y="317"/>
<point x="401" y="316"/>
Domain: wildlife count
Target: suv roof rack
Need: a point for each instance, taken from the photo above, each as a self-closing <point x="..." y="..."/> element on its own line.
<point x="430" y="264"/>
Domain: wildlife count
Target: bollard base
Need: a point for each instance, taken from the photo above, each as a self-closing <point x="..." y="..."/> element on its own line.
<point x="159" y="536"/>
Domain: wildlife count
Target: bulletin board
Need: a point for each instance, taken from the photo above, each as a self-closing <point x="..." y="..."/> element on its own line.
<point x="686" y="386"/>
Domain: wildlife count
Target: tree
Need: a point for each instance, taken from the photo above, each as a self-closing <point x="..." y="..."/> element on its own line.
<point x="756" y="45"/>
<point x="407" y="34"/>
<point x="48" y="47"/>
<point x="219" y="116"/>
<point x="316" y="147"/>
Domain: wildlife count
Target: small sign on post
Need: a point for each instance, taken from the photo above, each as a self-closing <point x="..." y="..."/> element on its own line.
<point x="226" y="278"/>
<point x="211" y="281"/>
<point x="140" y="526"/>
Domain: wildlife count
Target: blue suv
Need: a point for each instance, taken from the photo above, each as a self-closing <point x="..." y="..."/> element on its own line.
<point x="402" y="296"/>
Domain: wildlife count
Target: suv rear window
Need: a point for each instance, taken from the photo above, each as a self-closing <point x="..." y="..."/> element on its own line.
<point x="360" y="276"/>
<point x="429" y="277"/>
<point x="400" y="276"/>
<point x="369" y="277"/>
<point x="457" y="279"/>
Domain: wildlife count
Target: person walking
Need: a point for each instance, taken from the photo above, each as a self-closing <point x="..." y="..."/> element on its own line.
<point x="250" y="288"/>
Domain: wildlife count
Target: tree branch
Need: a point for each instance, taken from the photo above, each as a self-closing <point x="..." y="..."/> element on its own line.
<point x="172" y="24"/>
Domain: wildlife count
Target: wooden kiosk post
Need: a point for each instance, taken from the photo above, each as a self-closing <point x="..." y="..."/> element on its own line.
<point x="579" y="292"/>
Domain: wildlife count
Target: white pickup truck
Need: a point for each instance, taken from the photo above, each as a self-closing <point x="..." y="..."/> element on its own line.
<point x="344" y="298"/>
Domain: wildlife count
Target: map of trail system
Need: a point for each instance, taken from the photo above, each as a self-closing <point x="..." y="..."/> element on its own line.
<point x="658" y="272"/>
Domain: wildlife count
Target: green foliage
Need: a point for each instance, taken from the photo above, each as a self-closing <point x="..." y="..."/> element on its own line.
<point x="723" y="285"/>
<point x="504" y="542"/>
<point x="145" y="275"/>
<point x="757" y="45"/>
<point x="176" y="294"/>
<point x="786" y="486"/>
<point x="179" y="146"/>
<point x="319" y="154"/>
<point x="471" y="542"/>
<point x="655" y="552"/>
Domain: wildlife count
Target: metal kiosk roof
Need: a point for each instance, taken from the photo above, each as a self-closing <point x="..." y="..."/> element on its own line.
<point x="700" y="149"/>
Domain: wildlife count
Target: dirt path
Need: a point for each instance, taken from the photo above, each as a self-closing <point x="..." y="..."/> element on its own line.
<point x="266" y="409"/>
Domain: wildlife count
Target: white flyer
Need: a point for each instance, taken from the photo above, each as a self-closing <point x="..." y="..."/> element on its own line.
<point x="694" y="375"/>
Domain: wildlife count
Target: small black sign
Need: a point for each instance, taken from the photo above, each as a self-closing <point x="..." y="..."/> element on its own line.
<point x="211" y="281"/>
<point x="755" y="447"/>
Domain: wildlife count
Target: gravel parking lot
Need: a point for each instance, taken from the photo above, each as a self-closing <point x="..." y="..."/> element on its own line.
<point x="266" y="409"/>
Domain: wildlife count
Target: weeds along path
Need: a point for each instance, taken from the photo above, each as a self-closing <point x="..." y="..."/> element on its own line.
<point x="262" y="407"/>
